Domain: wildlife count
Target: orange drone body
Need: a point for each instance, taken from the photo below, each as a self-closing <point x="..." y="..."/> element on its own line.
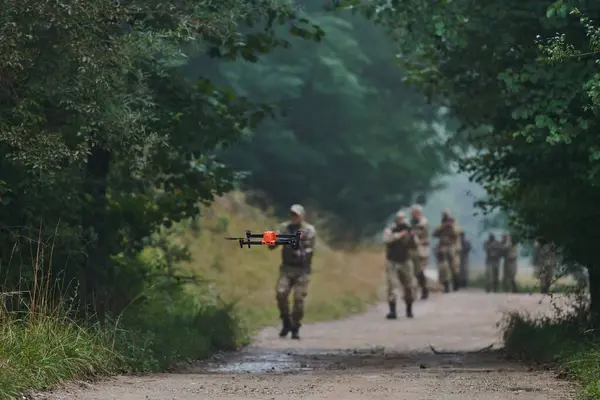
<point x="269" y="238"/>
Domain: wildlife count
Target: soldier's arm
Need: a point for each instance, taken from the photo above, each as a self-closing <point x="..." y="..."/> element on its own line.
<point x="456" y="230"/>
<point x="389" y="236"/>
<point x="425" y="233"/>
<point x="415" y="241"/>
<point x="437" y="231"/>
<point x="310" y="244"/>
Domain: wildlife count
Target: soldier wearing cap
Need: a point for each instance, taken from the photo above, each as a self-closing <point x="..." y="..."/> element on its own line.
<point x="420" y="254"/>
<point x="400" y="242"/>
<point x="294" y="271"/>
<point x="448" y="234"/>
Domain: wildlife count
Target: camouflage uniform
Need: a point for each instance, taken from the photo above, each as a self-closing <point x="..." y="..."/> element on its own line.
<point x="457" y="252"/>
<point x="547" y="265"/>
<point x="509" y="256"/>
<point x="493" y="254"/>
<point x="399" y="243"/>
<point x="465" y="249"/>
<point x="420" y="254"/>
<point x="446" y="253"/>
<point x="294" y="273"/>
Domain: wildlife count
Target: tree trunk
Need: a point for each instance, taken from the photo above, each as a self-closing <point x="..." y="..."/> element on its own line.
<point x="93" y="273"/>
<point x="594" y="275"/>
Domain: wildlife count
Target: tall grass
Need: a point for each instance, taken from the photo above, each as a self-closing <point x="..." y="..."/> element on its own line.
<point x="527" y="283"/>
<point x="341" y="283"/>
<point x="42" y="346"/>
<point x="564" y="338"/>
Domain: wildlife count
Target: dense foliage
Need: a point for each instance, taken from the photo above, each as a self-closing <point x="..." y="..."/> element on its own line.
<point x="103" y="138"/>
<point x="352" y="141"/>
<point x="528" y="101"/>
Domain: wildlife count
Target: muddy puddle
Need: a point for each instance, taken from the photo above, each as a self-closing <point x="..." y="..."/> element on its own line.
<point x="253" y="363"/>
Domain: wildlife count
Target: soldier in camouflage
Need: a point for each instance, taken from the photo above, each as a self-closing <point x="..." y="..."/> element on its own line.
<point x="493" y="254"/>
<point x="465" y="250"/>
<point x="445" y="251"/>
<point x="400" y="241"/>
<point x="547" y="266"/>
<point x="420" y="254"/>
<point x="294" y="271"/>
<point x="457" y="252"/>
<point x="509" y="267"/>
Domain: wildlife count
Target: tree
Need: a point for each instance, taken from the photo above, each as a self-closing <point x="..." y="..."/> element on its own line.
<point x="352" y="140"/>
<point x="102" y="137"/>
<point x="530" y="121"/>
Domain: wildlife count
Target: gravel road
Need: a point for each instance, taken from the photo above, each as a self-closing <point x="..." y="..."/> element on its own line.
<point x="362" y="357"/>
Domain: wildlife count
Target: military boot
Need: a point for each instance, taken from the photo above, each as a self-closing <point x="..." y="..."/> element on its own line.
<point x="392" y="313"/>
<point x="296" y="332"/>
<point x="455" y="284"/>
<point x="409" y="313"/>
<point x="423" y="283"/>
<point x="286" y="327"/>
<point x="446" y="287"/>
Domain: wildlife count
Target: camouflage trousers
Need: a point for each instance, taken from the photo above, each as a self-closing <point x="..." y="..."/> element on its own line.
<point x="492" y="272"/>
<point x="296" y="279"/>
<point x="509" y="275"/>
<point x="447" y="264"/>
<point x="402" y="273"/>
<point x="420" y="263"/>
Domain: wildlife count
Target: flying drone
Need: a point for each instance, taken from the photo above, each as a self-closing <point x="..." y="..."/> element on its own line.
<point x="270" y="238"/>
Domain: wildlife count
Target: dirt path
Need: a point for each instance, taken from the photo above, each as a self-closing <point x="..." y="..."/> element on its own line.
<point x="363" y="357"/>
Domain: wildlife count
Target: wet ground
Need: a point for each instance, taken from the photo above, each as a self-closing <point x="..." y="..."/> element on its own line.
<point x="448" y="351"/>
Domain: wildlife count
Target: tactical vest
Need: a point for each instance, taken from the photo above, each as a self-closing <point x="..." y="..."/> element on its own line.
<point x="398" y="250"/>
<point x="421" y="232"/>
<point x="288" y="256"/>
<point x="448" y="235"/>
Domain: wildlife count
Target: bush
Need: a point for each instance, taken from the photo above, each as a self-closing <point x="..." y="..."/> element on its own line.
<point x="566" y="339"/>
<point x="181" y="312"/>
<point x="167" y="329"/>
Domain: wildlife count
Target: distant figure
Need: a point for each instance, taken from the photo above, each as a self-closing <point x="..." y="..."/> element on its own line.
<point x="420" y="255"/>
<point x="465" y="250"/>
<point x="294" y="272"/>
<point x="509" y="267"/>
<point x="547" y="266"/>
<point x="400" y="242"/>
<point x="457" y="252"/>
<point x="493" y="254"/>
<point x="445" y="251"/>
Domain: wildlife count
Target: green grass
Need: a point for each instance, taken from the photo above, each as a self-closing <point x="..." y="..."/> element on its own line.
<point x="564" y="340"/>
<point x="39" y="352"/>
<point x="164" y="329"/>
<point x="527" y="284"/>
